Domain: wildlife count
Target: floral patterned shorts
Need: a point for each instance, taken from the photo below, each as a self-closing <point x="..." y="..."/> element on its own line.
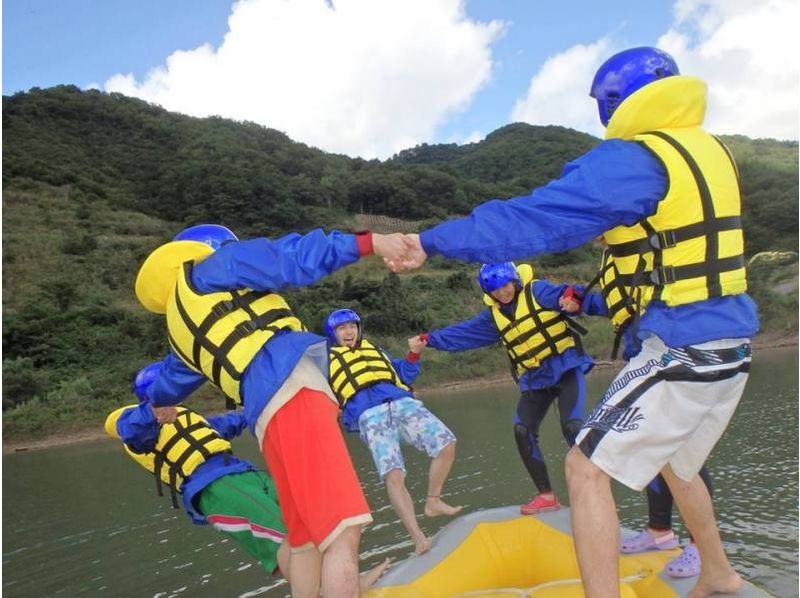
<point x="383" y="427"/>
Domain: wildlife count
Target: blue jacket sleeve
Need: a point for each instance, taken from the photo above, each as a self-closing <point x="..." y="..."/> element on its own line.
<point x="407" y="370"/>
<point x="547" y="294"/>
<point x="616" y="183"/>
<point x="138" y="428"/>
<point x="272" y="265"/>
<point x="175" y="382"/>
<point x="228" y="426"/>
<point x="476" y="332"/>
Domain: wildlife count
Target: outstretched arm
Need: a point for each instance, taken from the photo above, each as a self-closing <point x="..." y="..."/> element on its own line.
<point x="616" y="183"/>
<point x="137" y="427"/>
<point x="228" y="426"/>
<point x="408" y="369"/>
<point x="474" y="333"/>
<point x="175" y="382"/>
<point x="271" y="265"/>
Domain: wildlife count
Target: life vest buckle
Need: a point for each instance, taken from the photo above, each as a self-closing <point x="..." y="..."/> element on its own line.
<point x="247" y="327"/>
<point x="663" y="240"/>
<point x="223" y="308"/>
<point x="663" y="275"/>
<point x="668" y="239"/>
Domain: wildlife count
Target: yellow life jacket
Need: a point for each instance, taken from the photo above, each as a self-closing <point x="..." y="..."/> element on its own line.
<point x="218" y="334"/>
<point x="620" y="303"/>
<point x="692" y="248"/>
<point x="535" y="333"/>
<point x="354" y="369"/>
<point x="181" y="447"/>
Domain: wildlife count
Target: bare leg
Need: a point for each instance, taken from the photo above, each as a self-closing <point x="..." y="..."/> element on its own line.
<point x="440" y="468"/>
<point x="366" y="579"/>
<point x="694" y="503"/>
<point x="340" y="565"/>
<point x="304" y="571"/>
<point x="404" y="507"/>
<point x="595" y="525"/>
<point x="284" y="558"/>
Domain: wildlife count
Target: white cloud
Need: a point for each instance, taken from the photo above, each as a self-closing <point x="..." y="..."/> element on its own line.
<point x="361" y="77"/>
<point x="746" y="51"/>
<point x="558" y="93"/>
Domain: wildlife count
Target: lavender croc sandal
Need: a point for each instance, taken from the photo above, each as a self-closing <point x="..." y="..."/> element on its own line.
<point x="685" y="565"/>
<point x="644" y="541"/>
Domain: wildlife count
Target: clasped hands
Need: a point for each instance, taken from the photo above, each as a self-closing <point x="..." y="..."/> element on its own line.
<point x="400" y="252"/>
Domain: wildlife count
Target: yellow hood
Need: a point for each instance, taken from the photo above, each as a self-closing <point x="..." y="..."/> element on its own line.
<point x="670" y="103"/>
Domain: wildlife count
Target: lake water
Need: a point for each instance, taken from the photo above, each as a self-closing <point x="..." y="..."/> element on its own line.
<point x="84" y="520"/>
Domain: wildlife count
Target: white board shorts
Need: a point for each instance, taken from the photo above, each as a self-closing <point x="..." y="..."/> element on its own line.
<point x="667" y="406"/>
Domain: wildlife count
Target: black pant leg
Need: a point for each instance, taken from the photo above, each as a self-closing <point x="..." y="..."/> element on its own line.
<point x="531" y="409"/>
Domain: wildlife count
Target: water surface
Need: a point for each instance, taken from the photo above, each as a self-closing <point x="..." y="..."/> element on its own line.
<point x="84" y="520"/>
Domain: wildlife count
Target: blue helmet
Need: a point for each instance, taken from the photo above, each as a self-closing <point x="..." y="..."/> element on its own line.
<point x="144" y="378"/>
<point x="493" y="276"/>
<point x="337" y="318"/>
<point x="624" y="73"/>
<point x="213" y="235"/>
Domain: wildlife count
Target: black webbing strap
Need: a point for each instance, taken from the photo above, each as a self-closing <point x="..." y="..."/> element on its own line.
<point x="574" y="325"/>
<point x="534" y="351"/>
<point x="346" y="370"/>
<point x="730" y="156"/>
<point x="710" y="227"/>
<point x="670" y="274"/>
<point x="548" y="338"/>
<point x="220" y="359"/>
<point x="241" y="331"/>
<point x="618" y="334"/>
<point x="712" y="237"/>
<point x="343" y="370"/>
<point x="184" y="432"/>
<point x="670" y="238"/>
<point x="599" y="276"/>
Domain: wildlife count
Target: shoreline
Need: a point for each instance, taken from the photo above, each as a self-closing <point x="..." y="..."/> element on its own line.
<point x="767" y="342"/>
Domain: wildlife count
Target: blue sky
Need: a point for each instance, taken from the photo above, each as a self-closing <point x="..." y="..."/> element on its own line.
<point x="370" y="77"/>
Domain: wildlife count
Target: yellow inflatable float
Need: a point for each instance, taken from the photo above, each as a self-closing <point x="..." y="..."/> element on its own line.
<point x="497" y="553"/>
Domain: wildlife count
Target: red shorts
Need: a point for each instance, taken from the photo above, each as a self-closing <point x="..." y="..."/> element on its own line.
<point x="318" y="489"/>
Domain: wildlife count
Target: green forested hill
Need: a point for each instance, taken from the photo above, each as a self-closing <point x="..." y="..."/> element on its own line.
<point x="92" y="182"/>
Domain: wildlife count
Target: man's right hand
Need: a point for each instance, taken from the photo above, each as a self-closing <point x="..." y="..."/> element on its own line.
<point x="570" y="301"/>
<point x="165" y="415"/>
<point x="416" y="344"/>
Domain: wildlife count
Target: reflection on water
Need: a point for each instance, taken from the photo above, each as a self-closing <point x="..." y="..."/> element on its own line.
<point x="85" y="520"/>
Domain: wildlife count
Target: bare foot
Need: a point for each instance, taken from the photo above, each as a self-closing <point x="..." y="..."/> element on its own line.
<point x="436" y="506"/>
<point x="422" y="545"/>
<point x="725" y="584"/>
<point x="366" y="579"/>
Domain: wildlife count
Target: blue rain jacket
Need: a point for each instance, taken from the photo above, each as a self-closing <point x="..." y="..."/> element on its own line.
<point x="261" y="264"/>
<point x="616" y="183"/>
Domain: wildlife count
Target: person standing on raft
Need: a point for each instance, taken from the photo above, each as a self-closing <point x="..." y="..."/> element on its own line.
<point x="546" y="360"/>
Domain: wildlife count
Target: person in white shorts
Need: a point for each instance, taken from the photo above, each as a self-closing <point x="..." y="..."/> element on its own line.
<point x="667" y="406"/>
<point x="665" y="195"/>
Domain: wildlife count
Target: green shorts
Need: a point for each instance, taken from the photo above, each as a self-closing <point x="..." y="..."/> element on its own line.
<point x="245" y="507"/>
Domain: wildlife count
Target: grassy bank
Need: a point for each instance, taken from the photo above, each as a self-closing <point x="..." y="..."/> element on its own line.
<point x="74" y="335"/>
